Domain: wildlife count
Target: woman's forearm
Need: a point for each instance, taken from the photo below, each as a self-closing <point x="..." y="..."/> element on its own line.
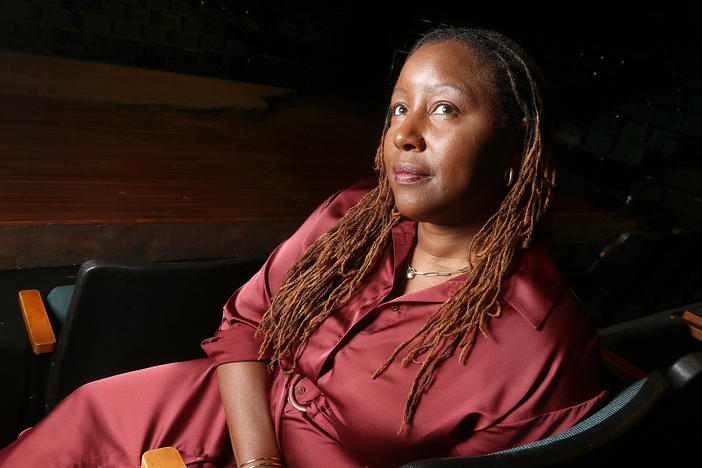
<point x="244" y="388"/>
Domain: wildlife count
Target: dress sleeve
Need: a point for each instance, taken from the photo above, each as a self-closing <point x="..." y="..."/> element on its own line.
<point x="234" y="340"/>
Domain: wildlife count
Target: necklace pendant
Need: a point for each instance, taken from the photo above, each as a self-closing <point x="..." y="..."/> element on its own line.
<point x="410" y="273"/>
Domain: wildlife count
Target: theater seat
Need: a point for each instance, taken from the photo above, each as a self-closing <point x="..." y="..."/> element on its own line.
<point x="58" y="300"/>
<point x="123" y="317"/>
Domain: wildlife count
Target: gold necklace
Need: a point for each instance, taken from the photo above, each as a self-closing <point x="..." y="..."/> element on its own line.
<point x="411" y="272"/>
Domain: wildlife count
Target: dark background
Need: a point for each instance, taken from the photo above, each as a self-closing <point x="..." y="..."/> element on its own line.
<point x="625" y="84"/>
<point x="347" y="48"/>
<point x="625" y="81"/>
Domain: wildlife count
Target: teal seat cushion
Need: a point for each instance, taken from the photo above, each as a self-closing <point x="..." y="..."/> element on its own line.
<point x="58" y="300"/>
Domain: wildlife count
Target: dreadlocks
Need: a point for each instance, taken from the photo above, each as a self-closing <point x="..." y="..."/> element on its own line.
<point x="330" y="271"/>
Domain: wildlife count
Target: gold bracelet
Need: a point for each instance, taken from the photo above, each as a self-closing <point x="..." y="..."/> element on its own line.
<point x="273" y="459"/>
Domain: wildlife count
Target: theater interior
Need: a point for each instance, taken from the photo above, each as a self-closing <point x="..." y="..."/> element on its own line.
<point x="170" y="131"/>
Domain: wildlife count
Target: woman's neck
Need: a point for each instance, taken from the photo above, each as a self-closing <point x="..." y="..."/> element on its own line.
<point x="444" y="246"/>
<point x="438" y="248"/>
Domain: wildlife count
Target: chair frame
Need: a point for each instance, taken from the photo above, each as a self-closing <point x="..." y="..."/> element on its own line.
<point x="167" y="309"/>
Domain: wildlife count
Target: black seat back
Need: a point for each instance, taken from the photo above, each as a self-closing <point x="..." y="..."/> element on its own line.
<point x="124" y="317"/>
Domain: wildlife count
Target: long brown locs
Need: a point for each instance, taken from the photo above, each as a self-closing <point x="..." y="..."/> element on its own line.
<point x="331" y="269"/>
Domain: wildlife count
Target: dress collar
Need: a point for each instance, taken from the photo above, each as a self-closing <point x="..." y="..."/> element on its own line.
<point x="534" y="285"/>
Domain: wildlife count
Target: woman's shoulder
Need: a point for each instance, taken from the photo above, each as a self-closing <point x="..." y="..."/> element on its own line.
<point x="329" y="212"/>
<point x="537" y="291"/>
<point x="535" y="284"/>
<point x="323" y="218"/>
<point x="553" y="320"/>
<point x="549" y="338"/>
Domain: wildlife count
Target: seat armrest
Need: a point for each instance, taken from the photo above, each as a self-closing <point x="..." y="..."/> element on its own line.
<point x="693" y="320"/>
<point x="164" y="457"/>
<point x="36" y="321"/>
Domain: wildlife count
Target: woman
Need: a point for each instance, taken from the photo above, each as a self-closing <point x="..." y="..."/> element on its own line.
<point x="416" y="316"/>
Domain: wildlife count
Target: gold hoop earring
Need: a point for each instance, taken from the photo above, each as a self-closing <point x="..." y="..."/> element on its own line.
<point x="509" y="177"/>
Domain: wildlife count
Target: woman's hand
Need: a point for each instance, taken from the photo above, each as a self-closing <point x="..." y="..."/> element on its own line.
<point x="245" y="388"/>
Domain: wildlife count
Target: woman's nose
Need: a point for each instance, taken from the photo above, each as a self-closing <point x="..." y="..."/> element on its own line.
<point x="409" y="138"/>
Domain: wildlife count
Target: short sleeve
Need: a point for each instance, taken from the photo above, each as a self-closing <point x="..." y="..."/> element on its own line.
<point x="234" y="341"/>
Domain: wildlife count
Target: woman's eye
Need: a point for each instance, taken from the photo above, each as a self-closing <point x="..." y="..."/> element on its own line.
<point x="399" y="109"/>
<point x="445" y="109"/>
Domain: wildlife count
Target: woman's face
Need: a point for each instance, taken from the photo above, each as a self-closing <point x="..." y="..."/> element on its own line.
<point x="445" y="154"/>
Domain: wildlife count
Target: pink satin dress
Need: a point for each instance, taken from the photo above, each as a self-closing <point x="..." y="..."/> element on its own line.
<point x="537" y="373"/>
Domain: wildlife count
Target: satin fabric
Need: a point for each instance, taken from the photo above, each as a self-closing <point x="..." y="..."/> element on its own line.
<point x="535" y="374"/>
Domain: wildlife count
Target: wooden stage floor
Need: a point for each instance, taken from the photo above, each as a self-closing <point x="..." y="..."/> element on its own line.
<point x="161" y="166"/>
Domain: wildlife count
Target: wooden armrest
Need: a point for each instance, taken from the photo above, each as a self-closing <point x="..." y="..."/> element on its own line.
<point x="36" y="320"/>
<point x="693" y="320"/>
<point x="622" y="369"/>
<point x="165" y="457"/>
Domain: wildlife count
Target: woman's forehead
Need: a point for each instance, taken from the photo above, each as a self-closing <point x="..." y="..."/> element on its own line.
<point x="446" y="64"/>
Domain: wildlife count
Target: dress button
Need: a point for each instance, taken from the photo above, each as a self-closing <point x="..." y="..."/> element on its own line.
<point x="395" y="307"/>
<point x="300" y="390"/>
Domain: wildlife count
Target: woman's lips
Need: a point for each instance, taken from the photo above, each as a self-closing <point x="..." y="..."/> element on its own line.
<point x="406" y="173"/>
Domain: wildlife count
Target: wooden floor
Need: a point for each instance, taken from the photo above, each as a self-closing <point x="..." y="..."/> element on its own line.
<point x="69" y="162"/>
<point x="110" y="154"/>
<point x="147" y="158"/>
